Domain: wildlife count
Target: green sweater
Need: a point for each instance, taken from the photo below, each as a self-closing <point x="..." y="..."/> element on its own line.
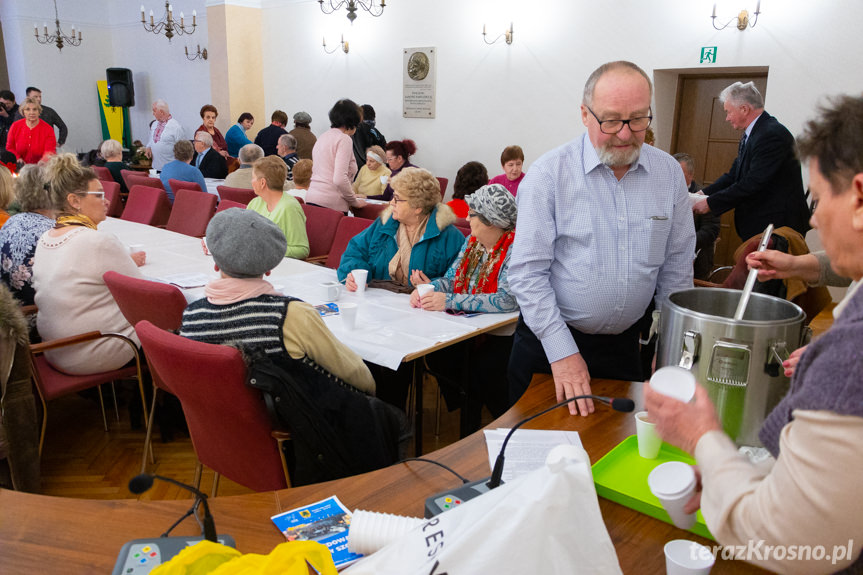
<point x="291" y="219"/>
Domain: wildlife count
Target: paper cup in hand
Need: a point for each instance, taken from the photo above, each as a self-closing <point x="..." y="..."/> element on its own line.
<point x="360" y="276"/>
<point x="674" y="382"/>
<point x="348" y="313"/>
<point x="649" y="441"/>
<point x="673" y="483"/>
<point x="384" y="180"/>
<point x="684" y="557"/>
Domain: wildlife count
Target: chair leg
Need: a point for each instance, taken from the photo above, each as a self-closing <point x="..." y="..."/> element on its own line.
<point x="437" y="403"/>
<point x="197" y="481"/>
<point x="148" y="440"/>
<point x="102" y="405"/>
<point x="44" y="423"/>
<point x="116" y="409"/>
<point x="216" y="477"/>
<point x="281" y="444"/>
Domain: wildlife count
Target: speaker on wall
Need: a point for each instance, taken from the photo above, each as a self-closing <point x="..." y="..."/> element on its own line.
<point x="121" y="88"/>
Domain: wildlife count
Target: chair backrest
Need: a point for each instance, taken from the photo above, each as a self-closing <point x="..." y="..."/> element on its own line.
<point x="138" y="179"/>
<point x="347" y="229"/>
<point x="126" y="174"/>
<point x="321" y="224"/>
<point x="191" y="213"/>
<point x="443" y="184"/>
<point x="300" y="200"/>
<point x="112" y="194"/>
<point x="240" y="195"/>
<point x="103" y="173"/>
<point x="370" y="211"/>
<point x="228" y="423"/>
<point x="147" y="205"/>
<point x="183" y="185"/>
<point x="160" y="303"/>
<point x="463" y="227"/>
<point x="225" y="204"/>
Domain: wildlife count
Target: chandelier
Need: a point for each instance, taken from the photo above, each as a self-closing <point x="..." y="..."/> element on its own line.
<point x="58" y="38"/>
<point x="369" y="6"/>
<point x="168" y="24"/>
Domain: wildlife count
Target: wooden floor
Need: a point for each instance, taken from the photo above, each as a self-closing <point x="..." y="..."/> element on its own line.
<point x="81" y="460"/>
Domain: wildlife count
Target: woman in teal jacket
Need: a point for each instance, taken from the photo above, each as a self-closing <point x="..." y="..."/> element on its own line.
<point x="412" y="242"/>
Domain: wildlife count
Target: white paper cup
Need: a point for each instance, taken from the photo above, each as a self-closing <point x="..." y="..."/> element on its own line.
<point x="649" y="441"/>
<point x="154" y="173"/>
<point x="425" y="289"/>
<point x="361" y="277"/>
<point x="348" y="313"/>
<point x="330" y="291"/>
<point x="674" y="382"/>
<point x="372" y="531"/>
<point x="684" y="557"/>
<point x="384" y="180"/>
<point x="673" y="483"/>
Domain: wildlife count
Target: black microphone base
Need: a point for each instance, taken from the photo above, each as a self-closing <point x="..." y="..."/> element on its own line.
<point x="446" y="500"/>
<point x="141" y="556"/>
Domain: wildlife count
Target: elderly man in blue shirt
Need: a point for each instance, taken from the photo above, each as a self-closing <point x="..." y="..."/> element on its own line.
<point x="604" y="225"/>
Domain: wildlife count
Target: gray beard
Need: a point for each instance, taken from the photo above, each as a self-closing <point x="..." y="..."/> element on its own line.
<point x="614" y="159"/>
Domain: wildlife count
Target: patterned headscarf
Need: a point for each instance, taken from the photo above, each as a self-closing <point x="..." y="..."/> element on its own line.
<point x="495" y="204"/>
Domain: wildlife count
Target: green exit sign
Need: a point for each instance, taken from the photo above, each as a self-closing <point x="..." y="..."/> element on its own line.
<point x="708" y="55"/>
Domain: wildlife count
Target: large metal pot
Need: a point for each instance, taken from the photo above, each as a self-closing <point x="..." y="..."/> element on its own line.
<point x="739" y="362"/>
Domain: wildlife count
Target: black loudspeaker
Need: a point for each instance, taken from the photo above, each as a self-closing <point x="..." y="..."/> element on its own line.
<point x="121" y="88"/>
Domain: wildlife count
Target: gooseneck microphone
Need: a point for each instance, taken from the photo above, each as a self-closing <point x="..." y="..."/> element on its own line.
<point x="617" y="403"/>
<point x="141" y="483"/>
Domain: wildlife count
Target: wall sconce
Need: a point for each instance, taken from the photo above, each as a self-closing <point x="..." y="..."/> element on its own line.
<point x="507" y="35"/>
<point x="343" y="44"/>
<point x="742" y="18"/>
<point x="200" y="54"/>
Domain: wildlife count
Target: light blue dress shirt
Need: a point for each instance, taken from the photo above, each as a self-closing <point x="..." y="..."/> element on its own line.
<point x="590" y="251"/>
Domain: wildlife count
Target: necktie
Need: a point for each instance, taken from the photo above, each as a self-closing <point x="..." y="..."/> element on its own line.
<point x="742" y="145"/>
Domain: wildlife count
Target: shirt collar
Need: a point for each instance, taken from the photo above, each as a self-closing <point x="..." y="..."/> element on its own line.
<point x="751" y="125"/>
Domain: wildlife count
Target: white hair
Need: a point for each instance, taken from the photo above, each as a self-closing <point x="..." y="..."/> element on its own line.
<point x="162" y="105"/>
<point x="110" y="148"/>
<point x="740" y="93"/>
<point x="250" y="153"/>
<point x="205" y="138"/>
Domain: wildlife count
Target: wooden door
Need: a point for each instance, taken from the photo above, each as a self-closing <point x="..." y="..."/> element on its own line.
<point x="701" y="131"/>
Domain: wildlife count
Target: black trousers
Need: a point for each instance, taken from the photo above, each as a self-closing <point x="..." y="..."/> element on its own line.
<point x="606" y="356"/>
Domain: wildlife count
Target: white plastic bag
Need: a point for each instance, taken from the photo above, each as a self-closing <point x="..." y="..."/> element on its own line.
<point x="545" y="522"/>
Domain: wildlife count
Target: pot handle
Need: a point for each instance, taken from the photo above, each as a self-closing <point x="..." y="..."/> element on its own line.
<point x="691" y="344"/>
<point x="778" y="352"/>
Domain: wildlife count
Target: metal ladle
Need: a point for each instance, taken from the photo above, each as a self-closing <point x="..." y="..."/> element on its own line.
<point x="753" y="275"/>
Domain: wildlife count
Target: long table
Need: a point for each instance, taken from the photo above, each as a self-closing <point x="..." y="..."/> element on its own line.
<point x="389" y="331"/>
<point x="51" y="534"/>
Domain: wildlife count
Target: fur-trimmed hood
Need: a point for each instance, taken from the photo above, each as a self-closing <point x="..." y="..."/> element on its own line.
<point x="12" y="321"/>
<point x="444" y="216"/>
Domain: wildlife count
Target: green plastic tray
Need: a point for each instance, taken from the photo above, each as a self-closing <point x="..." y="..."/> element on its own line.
<point x="621" y="476"/>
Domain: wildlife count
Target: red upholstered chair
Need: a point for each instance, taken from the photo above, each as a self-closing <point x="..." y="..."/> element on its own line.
<point x="147" y="205"/>
<point x="225" y="204"/>
<point x="443" y="183"/>
<point x="191" y="213"/>
<point x="321" y="224"/>
<point x="347" y="229"/>
<point x="369" y="211"/>
<point x="161" y="304"/>
<point x="103" y="173"/>
<point x="112" y="194"/>
<point x="137" y="179"/>
<point x="127" y="173"/>
<point x="240" y="195"/>
<point x="300" y="200"/>
<point x="230" y="427"/>
<point x="183" y="185"/>
<point x="463" y="227"/>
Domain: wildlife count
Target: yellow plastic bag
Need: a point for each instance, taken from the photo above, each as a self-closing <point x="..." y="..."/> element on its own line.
<point x="288" y="558"/>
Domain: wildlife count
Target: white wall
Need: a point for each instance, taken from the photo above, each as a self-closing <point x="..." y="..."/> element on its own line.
<point x="528" y="93"/>
<point x="113" y="37"/>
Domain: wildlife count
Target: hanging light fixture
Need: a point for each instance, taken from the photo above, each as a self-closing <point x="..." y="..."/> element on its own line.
<point x="58" y="38"/>
<point x="167" y="24"/>
<point x="330" y="6"/>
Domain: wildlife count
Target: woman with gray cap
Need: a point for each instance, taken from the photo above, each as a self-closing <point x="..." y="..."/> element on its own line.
<point x="477" y="281"/>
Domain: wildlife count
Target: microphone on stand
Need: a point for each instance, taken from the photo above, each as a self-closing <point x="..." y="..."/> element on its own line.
<point x="141" y="483"/>
<point x="448" y="499"/>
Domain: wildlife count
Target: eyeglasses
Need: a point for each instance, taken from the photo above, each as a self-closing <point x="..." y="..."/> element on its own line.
<point x="99" y="195"/>
<point x="472" y="214"/>
<point x="614" y="126"/>
<point x="397" y="199"/>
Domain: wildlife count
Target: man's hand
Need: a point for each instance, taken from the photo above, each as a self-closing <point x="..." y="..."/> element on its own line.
<point x="678" y="423"/>
<point x="701" y="207"/>
<point x="572" y="378"/>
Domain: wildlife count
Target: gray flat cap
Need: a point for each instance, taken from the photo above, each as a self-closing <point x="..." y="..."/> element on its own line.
<point x="245" y="244"/>
<point x="302" y="118"/>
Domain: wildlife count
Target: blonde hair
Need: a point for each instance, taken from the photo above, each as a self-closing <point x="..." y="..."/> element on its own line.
<point x="7" y="193"/>
<point x="30" y="189"/>
<point x="30" y="102"/>
<point x="111" y="148"/>
<point x="66" y="176"/>
<point x="273" y="169"/>
<point x="419" y="187"/>
<point x="302" y="174"/>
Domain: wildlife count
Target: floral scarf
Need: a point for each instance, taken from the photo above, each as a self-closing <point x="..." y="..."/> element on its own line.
<point x="487" y="280"/>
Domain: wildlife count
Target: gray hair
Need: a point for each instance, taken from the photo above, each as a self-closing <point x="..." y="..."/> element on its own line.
<point x="183" y="150"/>
<point x="685" y="158"/>
<point x="162" y="105"/>
<point x="250" y="153"/>
<point x="288" y="141"/>
<point x="740" y="93"/>
<point x="110" y="148"/>
<point x="590" y="85"/>
<point x="30" y="189"/>
<point x="205" y="138"/>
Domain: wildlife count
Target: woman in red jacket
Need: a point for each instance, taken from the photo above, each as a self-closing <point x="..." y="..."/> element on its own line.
<point x="31" y="139"/>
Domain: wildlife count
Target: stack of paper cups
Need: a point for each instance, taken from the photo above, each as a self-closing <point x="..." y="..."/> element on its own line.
<point x="372" y="531"/>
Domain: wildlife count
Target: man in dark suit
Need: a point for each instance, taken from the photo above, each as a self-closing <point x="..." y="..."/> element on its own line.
<point x="268" y="138"/>
<point x="211" y="163"/>
<point x="764" y="184"/>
